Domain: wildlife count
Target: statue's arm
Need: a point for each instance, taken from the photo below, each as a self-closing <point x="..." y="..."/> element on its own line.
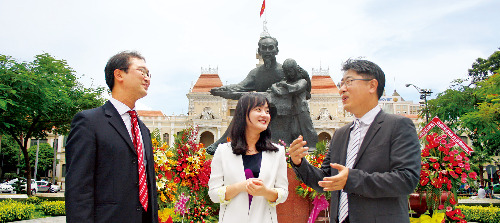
<point x="297" y="87"/>
<point x="235" y="91"/>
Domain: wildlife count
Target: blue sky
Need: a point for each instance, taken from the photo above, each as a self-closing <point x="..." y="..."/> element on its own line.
<point x="426" y="43"/>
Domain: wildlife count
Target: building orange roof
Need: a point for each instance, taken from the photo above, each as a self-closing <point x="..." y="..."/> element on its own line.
<point x="206" y="82"/>
<point x="321" y="84"/>
<point x="149" y="113"/>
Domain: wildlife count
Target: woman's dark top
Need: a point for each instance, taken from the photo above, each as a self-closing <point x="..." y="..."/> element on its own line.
<point x="252" y="162"/>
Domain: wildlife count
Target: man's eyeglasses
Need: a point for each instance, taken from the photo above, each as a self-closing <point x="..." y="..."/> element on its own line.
<point x="348" y="82"/>
<point x="145" y="73"/>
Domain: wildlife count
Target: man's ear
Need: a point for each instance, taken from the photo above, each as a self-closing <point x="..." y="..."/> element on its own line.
<point x="118" y="74"/>
<point x="373" y="86"/>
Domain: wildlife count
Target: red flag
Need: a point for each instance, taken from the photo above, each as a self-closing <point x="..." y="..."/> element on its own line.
<point x="262" y="8"/>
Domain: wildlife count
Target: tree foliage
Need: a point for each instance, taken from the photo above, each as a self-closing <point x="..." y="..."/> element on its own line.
<point x="45" y="158"/>
<point x="40" y="97"/>
<point x="483" y="68"/>
<point x="9" y="156"/>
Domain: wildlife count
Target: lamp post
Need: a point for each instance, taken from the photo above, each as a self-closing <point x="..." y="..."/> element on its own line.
<point x="423" y="95"/>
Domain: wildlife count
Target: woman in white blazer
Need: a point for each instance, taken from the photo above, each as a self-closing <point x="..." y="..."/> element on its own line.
<point x="248" y="174"/>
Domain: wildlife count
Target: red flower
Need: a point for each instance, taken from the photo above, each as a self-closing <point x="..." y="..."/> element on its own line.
<point x="458" y="170"/>
<point x="441" y="207"/>
<point x="168" y="175"/>
<point x="436" y="166"/>
<point x="452" y="200"/>
<point x="424" y="181"/>
<point x="433" y="160"/>
<point x="177" y="180"/>
<point x="425" y="153"/>
<point x="473" y="175"/>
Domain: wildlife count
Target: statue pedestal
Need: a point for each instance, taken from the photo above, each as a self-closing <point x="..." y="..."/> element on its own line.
<point x="295" y="208"/>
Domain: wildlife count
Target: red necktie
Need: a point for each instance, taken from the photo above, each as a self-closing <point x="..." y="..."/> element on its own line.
<point x="143" y="189"/>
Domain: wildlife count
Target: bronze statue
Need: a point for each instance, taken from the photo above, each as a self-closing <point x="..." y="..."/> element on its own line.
<point x="261" y="79"/>
<point x="290" y="96"/>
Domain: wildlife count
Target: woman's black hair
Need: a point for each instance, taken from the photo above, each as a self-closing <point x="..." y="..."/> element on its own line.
<point x="239" y="123"/>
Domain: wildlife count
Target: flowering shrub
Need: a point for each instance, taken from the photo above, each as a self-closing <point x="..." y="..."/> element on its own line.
<point x="182" y="175"/>
<point x="444" y="169"/>
<point x="14" y="211"/>
<point x="53" y="208"/>
<point x="481" y="214"/>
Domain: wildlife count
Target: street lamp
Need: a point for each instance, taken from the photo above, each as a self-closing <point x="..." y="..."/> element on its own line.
<point x="423" y="96"/>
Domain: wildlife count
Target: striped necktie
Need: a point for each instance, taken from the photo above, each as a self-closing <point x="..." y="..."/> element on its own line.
<point x="143" y="189"/>
<point x="352" y="152"/>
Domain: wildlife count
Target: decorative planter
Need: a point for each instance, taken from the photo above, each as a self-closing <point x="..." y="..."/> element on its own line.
<point x="295" y="208"/>
<point x="419" y="204"/>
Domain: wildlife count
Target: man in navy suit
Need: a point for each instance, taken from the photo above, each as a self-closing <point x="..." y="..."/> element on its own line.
<point x="373" y="163"/>
<point x="109" y="157"/>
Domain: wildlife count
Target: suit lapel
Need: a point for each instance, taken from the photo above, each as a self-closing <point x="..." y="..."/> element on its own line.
<point x="146" y="140"/>
<point x="265" y="164"/>
<point x="372" y="131"/>
<point x="116" y="121"/>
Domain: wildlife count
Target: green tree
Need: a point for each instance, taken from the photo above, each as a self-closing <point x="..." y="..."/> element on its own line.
<point x="45" y="158"/>
<point x="484" y="120"/>
<point x="483" y="68"/>
<point x="40" y="97"/>
<point x="9" y="157"/>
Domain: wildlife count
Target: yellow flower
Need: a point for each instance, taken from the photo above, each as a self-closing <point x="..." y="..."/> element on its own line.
<point x="170" y="154"/>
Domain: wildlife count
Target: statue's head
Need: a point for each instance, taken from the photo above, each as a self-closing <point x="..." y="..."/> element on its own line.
<point x="268" y="48"/>
<point x="290" y="68"/>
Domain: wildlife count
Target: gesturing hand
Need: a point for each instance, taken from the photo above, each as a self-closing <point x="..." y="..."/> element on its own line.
<point x="297" y="150"/>
<point x="336" y="182"/>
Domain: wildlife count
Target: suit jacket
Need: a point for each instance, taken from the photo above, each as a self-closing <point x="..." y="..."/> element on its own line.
<point x="386" y="170"/>
<point x="227" y="169"/>
<point x="102" y="176"/>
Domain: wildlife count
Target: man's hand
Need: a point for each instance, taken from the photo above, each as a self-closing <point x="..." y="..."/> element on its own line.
<point x="297" y="150"/>
<point x="336" y="182"/>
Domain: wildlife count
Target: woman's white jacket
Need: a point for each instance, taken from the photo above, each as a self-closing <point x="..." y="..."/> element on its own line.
<point x="227" y="169"/>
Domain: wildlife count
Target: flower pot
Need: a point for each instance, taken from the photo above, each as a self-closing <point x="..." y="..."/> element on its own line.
<point x="418" y="202"/>
<point x="295" y="208"/>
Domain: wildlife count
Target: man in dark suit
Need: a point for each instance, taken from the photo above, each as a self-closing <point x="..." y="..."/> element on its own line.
<point x="373" y="163"/>
<point x="109" y="156"/>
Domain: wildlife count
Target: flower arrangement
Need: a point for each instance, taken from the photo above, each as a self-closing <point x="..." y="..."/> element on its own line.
<point x="316" y="159"/>
<point x="444" y="169"/>
<point x="182" y="179"/>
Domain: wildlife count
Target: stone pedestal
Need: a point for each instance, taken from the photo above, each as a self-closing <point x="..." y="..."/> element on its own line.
<point x="296" y="208"/>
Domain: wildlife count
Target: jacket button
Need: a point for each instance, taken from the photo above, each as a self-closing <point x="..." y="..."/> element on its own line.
<point x="134" y="162"/>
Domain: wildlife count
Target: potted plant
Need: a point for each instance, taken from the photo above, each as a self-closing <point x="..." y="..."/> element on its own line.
<point x="444" y="169"/>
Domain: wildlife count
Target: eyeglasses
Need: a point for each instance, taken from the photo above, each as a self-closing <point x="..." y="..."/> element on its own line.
<point x="348" y="82"/>
<point x="144" y="72"/>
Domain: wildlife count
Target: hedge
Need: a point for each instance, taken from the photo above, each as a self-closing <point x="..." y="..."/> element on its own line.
<point x="481" y="214"/>
<point x="53" y="208"/>
<point x="13" y="211"/>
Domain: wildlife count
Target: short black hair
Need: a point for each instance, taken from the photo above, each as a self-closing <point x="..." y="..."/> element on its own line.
<point x="367" y="69"/>
<point x="120" y="61"/>
<point x="238" y="125"/>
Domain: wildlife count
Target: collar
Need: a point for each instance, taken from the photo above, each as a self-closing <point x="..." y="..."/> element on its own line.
<point x="368" y="118"/>
<point x="120" y="107"/>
